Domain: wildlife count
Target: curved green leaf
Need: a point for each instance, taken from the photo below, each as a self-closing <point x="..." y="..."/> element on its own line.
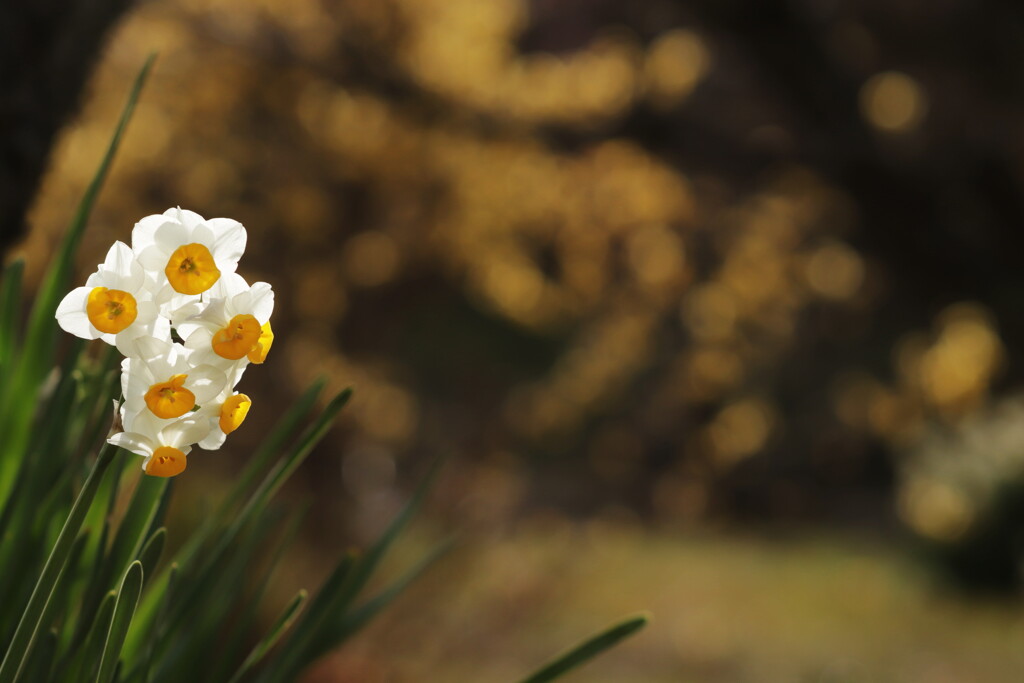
<point x="588" y="649"/>
<point x="124" y="610"/>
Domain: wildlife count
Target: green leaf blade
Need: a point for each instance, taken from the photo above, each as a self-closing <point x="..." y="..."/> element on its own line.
<point x="24" y="636"/>
<point x="124" y="610"/>
<point x="588" y="649"/>
<point x="17" y="401"/>
<point x="10" y="298"/>
<point x="288" y="616"/>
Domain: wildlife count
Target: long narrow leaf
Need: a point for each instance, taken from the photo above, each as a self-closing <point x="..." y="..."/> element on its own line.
<point x="137" y="520"/>
<point x="158" y="631"/>
<point x="10" y="298"/>
<point x="342" y="587"/>
<point x="41" y="665"/>
<point x="271" y="483"/>
<point x="21" y="644"/>
<point x="273" y="444"/>
<point x="346" y="624"/>
<point x="289" y="659"/>
<point x="270" y="447"/>
<point x="150" y="554"/>
<point x="232" y="647"/>
<point x="368" y="563"/>
<point x="287" y="465"/>
<point x="86" y="658"/>
<point x="17" y="404"/>
<point x="124" y="609"/>
<point x="588" y="649"/>
<point x="273" y="635"/>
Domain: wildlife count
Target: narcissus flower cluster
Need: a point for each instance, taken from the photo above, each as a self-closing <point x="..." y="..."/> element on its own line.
<point x="188" y="326"/>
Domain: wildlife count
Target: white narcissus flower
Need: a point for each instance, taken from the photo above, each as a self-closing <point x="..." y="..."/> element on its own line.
<point x="185" y="254"/>
<point x="164" y="446"/>
<point x="234" y="328"/>
<point x="163" y="382"/>
<point x="180" y="273"/>
<point x="226" y="413"/>
<point x="114" y="304"/>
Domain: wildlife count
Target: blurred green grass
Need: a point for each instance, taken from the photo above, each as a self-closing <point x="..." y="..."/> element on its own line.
<point x="730" y="609"/>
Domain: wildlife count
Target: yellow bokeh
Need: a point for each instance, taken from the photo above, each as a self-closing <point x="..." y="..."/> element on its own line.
<point x="893" y="102"/>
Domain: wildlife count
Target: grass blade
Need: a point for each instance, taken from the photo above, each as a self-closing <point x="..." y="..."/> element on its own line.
<point x="270" y="447"/>
<point x="343" y="586"/>
<point x="232" y="648"/>
<point x="287" y="465"/>
<point x="41" y="665"/>
<point x="141" y="513"/>
<point x="151" y="552"/>
<point x="17" y="401"/>
<point x="85" y="660"/>
<point x="273" y="635"/>
<point x="588" y="649"/>
<point x="10" y="298"/>
<point x="368" y="563"/>
<point x="158" y="629"/>
<point x="25" y="634"/>
<point x="273" y="444"/>
<point x="124" y="609"/>
<point x="348" y="623"/>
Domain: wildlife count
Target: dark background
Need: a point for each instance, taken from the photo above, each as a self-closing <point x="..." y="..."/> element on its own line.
<point x="688" y="267"/>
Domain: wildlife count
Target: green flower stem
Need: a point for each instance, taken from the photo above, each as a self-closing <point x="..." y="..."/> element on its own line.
<point x="28" y="627"/>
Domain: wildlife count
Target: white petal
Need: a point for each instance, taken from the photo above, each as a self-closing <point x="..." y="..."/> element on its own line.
<point x="137" y="443"/>
<point x="154" y="258"/>
<point x="262" y="302"/>
<point x="119" y="259"/>
<point x="135" y="380"/>
<point x="230" y="238"/>
<point x="145" y="325"/>
<point x="202" y="234"/>
<point x="126" y="377"/>
<point x="205" y="381"/>
<point x="185" y="431"/>
<point x="189" y="219"/>
<point x="199" y="337"/>
<point x="229" y="285"/>
<point x="214" y="440"/>
<point x="146" y="423"/>
<point x="182" y="307"/>
<point x="146" y="313"/>
<point x="125" y="340"/>
<point x="140" y="420"/>
<point x="153" y="348"/>
<point x="211" y="410"/>
<point x="234" y="376"/>
<point x="160" y="328"/>
<point x="71" y="315"/>
<point x="142" y="233"/>
<point x="132" y="282"/>
<point x="207" y="356"/>
<point x="166" y="297"/>
<point x="162" y="359"/>
<point x="170" y="236"/>
<point x="106" y="278"/>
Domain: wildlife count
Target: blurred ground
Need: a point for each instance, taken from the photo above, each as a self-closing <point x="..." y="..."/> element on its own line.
<point x="729" y="608"/>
